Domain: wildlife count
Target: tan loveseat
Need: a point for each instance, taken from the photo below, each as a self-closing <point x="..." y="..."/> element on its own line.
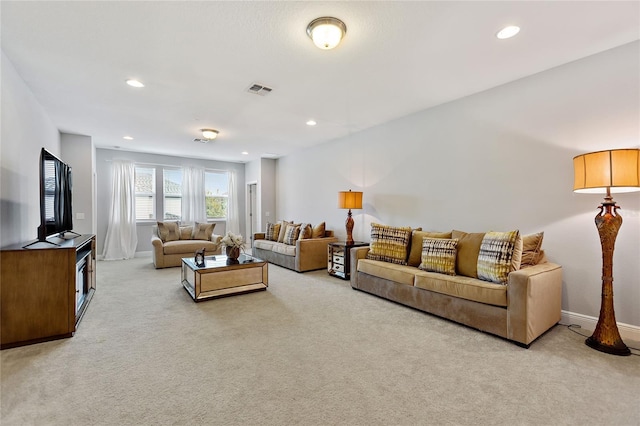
<point x="171" y="242"/>
<point x="520" y="310"/>
<point x="305" y="250"/>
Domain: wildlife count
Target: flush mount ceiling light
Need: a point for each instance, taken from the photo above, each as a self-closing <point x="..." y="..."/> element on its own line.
<point x="508" y="32"/>
<point x="134" y="83"/>
<point x="311" y="123"/>
<point x="129" y="138"/>
<point x="326" y="32"/>
<point x="209" y="134"/>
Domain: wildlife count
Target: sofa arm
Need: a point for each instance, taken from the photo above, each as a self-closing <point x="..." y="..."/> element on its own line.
<point x="534" y="301"/>
<point x="356" y="254"/>
<point x="259" y="236"/>
<point x="217" y="240"/>
<point x="311" y="253"/>
<point x="158" y="251"/>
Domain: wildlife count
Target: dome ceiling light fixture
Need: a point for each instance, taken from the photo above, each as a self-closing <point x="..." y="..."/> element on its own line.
<point x="326" y="32"/>
<point x="209" y="134"/>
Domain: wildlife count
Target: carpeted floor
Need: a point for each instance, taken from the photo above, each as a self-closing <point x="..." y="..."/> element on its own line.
<point x="308" y="351"/>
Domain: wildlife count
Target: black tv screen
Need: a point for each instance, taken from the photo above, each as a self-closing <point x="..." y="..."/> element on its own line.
<point x="56" y="213"/>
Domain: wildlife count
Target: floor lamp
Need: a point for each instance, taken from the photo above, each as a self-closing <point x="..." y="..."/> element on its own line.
<point x="612" y="171"/>
<point x="349" y="200"/>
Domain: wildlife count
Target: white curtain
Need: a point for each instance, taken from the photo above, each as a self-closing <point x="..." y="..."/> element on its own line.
<point x="121" y="239"/>
<point x="233" y="220"/>
<point x="194" y="208"/>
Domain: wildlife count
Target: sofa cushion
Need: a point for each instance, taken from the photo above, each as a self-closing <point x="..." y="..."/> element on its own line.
<point x="463" y="287"/>
<point x="285" y="249"/>
<point x="188" y="247"/>
<point x="291" y="234"/>
<point x="468" y="249"/>
<point x="203" y="231"/>
<point x="531" y="248"/>
<point x="389" y="243"/>
<point x="185" y="232"/>
<point x="273" y="231"/>
<point x="283" y="228"/>
<point x="398" y="273"/>
<point x="264" y="244"/>
<point x="318" y="230"/>
<point x="168" y="231"/>
<point x="306" y="230"/>
<point x="415" y="252"/>
<point x="439" y="255"/>
<point x="496" y="253"/>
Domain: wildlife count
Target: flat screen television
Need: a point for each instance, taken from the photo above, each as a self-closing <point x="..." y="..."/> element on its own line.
<point x="56" y="213"/>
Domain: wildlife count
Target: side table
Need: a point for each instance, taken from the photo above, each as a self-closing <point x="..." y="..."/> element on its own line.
<point x="339" y="259"/>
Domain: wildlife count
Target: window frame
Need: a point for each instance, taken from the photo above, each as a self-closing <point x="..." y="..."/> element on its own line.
<point x="152" y="194"/>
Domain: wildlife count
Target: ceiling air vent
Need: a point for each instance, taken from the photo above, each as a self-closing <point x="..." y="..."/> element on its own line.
<point x="259" y="89"/>
<point x="201" y="140"/>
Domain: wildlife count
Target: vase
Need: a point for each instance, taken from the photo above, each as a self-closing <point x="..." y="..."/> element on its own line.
<point x="232" y="254"/>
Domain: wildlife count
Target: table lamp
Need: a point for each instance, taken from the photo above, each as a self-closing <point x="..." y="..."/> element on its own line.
<point x="612" y="171"/>
<point x="349" y="200"/>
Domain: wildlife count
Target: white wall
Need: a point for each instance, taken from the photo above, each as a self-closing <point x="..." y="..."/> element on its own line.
<point x="104" y="159"/>
<point x="78" y="152"/>
<point x="26" y="129"/>
<point x="497" y="160"/>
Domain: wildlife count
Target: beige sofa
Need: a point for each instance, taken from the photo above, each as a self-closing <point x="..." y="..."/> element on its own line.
<point x="302" y="253"/>
<point x="181" y="241"/>
<point x="520" y="310"/>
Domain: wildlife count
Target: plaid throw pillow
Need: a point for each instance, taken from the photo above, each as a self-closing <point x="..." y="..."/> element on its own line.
<point x="494" y="259"/>
<point x="291" y="235"/>
<point x="389" y="243"/>
<point x="439" y="255"/>
<point x="273" y="230"/>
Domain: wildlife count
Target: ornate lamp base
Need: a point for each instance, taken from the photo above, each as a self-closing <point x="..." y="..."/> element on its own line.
<point x="606" y="337"/>
<point x="349" y="225"/>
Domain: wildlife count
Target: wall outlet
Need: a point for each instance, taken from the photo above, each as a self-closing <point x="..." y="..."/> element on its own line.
<point x="80" y="216"/>
<point x="267" y="214"/>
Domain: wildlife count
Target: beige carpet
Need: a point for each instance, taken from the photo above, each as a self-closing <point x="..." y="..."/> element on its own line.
<point x="308" y="351"/>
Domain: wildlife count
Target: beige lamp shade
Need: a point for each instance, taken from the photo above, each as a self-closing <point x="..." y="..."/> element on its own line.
<point x="349" y="200"/>
<point x="616" y="170"/>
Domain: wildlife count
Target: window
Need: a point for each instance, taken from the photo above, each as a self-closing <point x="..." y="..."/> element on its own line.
<point x="216" y="186"/>
<point x="145" y="193"/>
<point x="172" y="193"/>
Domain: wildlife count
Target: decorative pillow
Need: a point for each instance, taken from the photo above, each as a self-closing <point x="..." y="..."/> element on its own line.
<point x="273" y="231"/>
<point x="468" y="249"/>
<point x="291" y="234"/>
<point x="516" y="260"/>
<point x="203" y="231"/>
<point x="389" y="243"/>
<point x="305" y="231"/>
<point x="186" y="232"/>
<point x="168" y="231"/>
<point x="415" y="253"/>
<point x="318" y="230"/>
<point x="283" y="229"/>
<point x="496" y="253"/>
<point x="439" y="255"/>
<point x="531" y="249"/>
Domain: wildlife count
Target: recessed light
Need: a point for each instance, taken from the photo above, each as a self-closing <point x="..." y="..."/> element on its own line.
<point x="311" y="123"/>
<point x="134" y="83"/>
<point x="245" y="153"/>
<point x="129" y="138"/>
<point x="508" y="32"/>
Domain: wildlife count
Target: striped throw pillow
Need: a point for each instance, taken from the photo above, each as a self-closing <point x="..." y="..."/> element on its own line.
<point x="273" y="231"/>
<point x="291" y="235"/>
<point x="389" y="243"/>
<point x="439" y="255"/>
<point x="496" y="252"/>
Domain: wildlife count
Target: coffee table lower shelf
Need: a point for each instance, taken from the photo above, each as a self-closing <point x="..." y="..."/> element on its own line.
<point x="220" y="280"/>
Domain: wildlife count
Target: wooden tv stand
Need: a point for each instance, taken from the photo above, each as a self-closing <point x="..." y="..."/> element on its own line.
<point x="45" y="289"/>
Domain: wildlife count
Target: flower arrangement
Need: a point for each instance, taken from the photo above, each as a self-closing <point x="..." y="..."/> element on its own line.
<point x="233" y="240"/>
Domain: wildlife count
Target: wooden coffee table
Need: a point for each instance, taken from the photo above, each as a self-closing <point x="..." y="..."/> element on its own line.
<point x="219" y="279"/>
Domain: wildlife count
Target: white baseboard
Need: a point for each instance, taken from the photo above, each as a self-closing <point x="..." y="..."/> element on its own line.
<point x="627" y="331"/>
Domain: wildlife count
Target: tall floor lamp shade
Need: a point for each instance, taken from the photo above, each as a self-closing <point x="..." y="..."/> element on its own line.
<point x="607" y="172"/>
<point x="349" y="200"/>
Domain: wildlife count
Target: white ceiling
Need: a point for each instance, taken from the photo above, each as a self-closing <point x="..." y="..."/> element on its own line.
<point x="197" y="60"/>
